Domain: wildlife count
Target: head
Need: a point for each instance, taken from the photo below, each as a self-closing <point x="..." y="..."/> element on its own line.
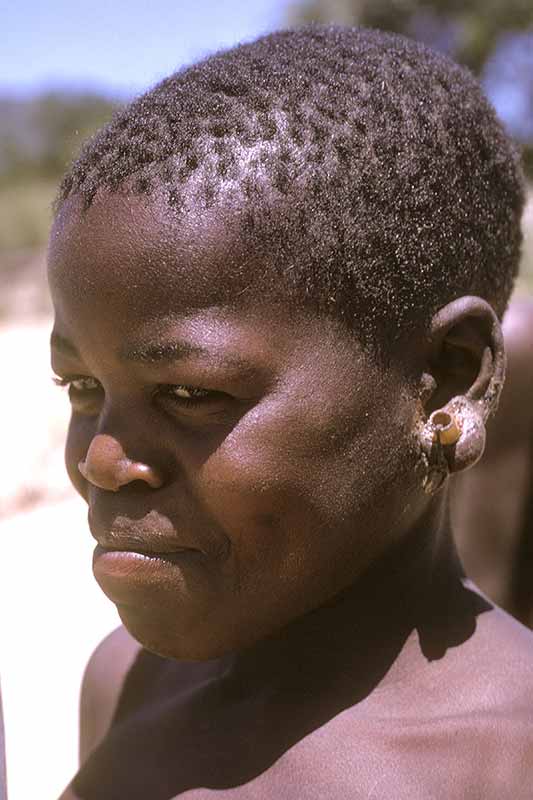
<point x="267" y="273"/>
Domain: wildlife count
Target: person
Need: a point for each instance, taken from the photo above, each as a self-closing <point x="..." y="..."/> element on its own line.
<point x="278" y="278"/>
<point x="495" y="539"/>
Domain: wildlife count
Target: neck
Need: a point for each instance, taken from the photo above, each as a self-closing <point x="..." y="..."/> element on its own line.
<point x="368" y="632"/>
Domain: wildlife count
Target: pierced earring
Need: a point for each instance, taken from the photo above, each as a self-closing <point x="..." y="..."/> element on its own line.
<point x="445" y="427"/>
<point x="452" y="439"/>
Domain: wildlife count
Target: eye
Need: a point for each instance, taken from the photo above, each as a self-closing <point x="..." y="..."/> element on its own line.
<point x="79" y="384"/>
<point x="85" y="393"/>
<point x="187" y="392"/>
<point x="190" y="396"/>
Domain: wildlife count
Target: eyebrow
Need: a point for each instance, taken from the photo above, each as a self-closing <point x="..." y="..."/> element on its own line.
<point x="157" y="352"/>
<point x="167" y="352"/>
<point x="154" y="352"/>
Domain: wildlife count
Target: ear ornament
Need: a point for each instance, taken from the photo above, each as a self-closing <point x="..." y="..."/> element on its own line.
<point x="452" y="439"/>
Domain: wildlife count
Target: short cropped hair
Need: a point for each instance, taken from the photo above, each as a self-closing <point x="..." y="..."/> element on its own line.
<point x="373" y="169"/>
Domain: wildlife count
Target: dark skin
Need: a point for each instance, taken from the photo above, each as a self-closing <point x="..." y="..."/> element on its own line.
<point x="495" y="540"/>
<point x="253" y="482"/>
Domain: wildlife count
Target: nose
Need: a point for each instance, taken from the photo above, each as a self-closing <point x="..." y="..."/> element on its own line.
<point x="107" y="466"/>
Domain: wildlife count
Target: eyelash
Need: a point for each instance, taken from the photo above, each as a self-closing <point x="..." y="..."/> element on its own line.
<point x="198" y="397"/>
<point x="69" y="382"/>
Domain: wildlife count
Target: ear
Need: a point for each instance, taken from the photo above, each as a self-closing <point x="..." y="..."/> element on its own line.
<point x="461" y="384"/>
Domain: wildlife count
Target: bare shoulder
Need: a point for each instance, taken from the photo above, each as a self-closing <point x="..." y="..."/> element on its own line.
<point x="497" y="728"/>
<point x="102" y="684"/>
<point x="498" y="661"/>
<point x="472" y="709"/>
<point x="482" y="683"/>
<point x="69" y="794"/>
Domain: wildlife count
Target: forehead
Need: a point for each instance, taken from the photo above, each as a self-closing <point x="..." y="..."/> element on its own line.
<point x="140" y="249"/>
<point x="129" y="270"/>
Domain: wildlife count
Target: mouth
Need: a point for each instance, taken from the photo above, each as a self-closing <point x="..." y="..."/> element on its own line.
<point x="174" y="555"/>
<point x="137" y="562"/>
<point x="152" y="538"/>
<point x="132" y="577"/>
<point x="137" y="559"/>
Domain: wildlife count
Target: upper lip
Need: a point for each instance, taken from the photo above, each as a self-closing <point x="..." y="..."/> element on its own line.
<point x="138" y="538"/>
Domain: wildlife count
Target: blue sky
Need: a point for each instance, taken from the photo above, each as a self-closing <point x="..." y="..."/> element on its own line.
<point x="119" y="45"/>
<point x="124" y="46"/>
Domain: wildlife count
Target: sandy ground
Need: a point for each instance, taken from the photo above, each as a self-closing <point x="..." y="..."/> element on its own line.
<point x="53" y="612"/>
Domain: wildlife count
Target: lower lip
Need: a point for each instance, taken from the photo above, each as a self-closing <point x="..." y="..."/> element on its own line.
<point x="113" y="568"/>
<point x="131" y="558"/>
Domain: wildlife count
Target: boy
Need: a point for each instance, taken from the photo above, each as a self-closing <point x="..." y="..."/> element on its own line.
<point x="277" y="280"/>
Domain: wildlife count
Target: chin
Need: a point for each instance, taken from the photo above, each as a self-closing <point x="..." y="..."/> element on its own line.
<point x="169" y="642"/>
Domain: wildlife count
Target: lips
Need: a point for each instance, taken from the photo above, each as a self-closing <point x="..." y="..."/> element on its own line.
<point x="153" y="535"/>
<point x="140" y="581"/>
<point x="133" y="544"/>
<point x="171" y="555"/>
<point x="121" y="547"/>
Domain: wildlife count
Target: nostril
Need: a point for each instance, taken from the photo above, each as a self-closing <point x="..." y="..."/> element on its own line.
<point x="136" y="471"/>
<point x="107" y="467"/>
<point x="103" y="479"/>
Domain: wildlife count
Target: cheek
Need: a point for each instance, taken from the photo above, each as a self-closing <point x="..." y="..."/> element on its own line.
<point x="264" y="466"/>
<point x="296" y="489"/>
<point x="304" y="510"/>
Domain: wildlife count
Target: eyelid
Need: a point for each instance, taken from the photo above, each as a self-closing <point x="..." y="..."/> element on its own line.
<point x="68" y="381"/>
<point x="64" y="381"/>
<point x="198" y="393"/>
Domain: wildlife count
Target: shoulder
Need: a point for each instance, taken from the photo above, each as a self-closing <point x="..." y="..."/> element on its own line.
<point x="487" y="755"/>
<point x="493" y="745"/>
<point x="69" y="794"/>
<point x="477" y="736"/>
<point x="497" y="667"/>
<point x="102" y="685"/>
<point x="482" y="683"/>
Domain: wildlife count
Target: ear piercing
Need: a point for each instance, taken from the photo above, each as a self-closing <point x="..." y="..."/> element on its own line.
<point x="446" y="430"/>
<point x="441" y="432"/>
<point x="452" y="439"/>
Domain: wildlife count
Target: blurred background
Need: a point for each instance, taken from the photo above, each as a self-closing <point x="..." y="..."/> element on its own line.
<point x="64" y="68"/>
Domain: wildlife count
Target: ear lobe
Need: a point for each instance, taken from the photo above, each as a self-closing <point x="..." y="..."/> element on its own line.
<point x="452" y="440"/>
<point x="467" y="364"/>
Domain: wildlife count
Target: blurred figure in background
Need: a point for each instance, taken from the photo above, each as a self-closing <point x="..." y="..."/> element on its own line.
<point x="492" y="508"/>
